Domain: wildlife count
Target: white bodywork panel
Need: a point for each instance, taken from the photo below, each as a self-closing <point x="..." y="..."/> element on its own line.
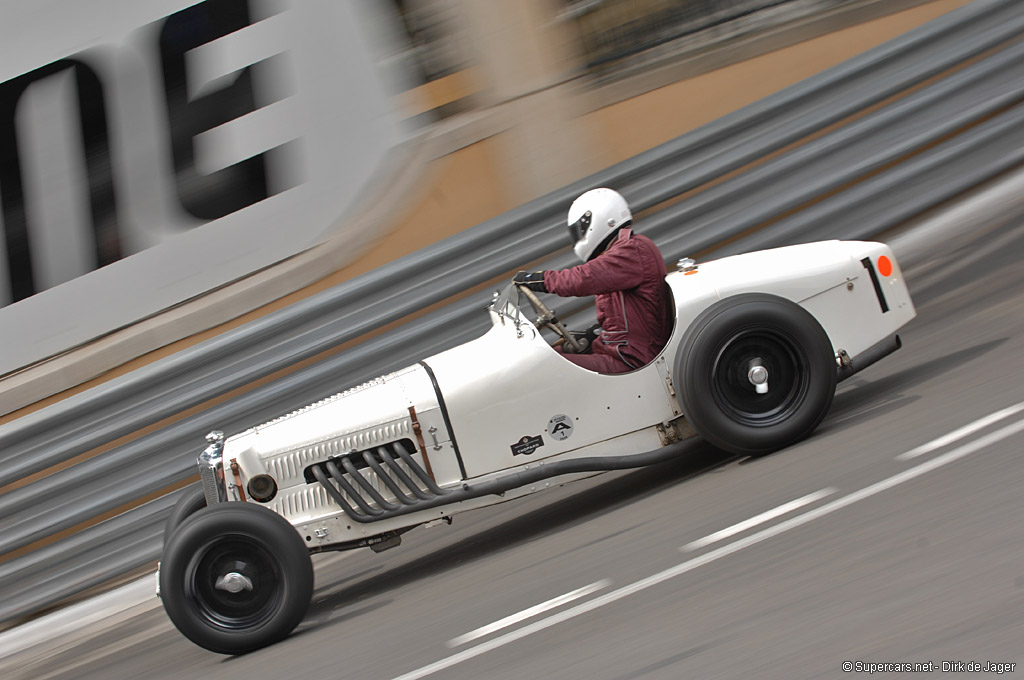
<point x="510" y="384"/>
<point x="360" y="418"/>
<point x="818" y="276"/>
<point x="508" y="401"/>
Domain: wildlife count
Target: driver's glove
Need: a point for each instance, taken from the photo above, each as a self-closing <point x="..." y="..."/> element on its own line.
<point x="532" y="280"/>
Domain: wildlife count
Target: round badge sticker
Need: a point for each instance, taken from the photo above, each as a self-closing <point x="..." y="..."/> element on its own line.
<point x="560" y="427"/>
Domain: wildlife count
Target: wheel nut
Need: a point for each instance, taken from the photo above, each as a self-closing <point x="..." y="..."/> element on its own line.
<point x="758" y="377"/>
<point x="233" y="583"/>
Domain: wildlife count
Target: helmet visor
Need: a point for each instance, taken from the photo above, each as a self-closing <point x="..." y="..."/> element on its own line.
<point x="578" y="228"/>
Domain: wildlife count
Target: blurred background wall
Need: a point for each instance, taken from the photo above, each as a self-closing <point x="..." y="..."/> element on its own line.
<point x="170" y="169"/>
<point x="155" y="151"/>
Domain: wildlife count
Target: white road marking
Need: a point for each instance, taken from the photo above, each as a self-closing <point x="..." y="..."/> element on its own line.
<point x="957" y="435"/>
<point x="759" y="519"/>
<point x="529" y="613"/>
<point x="716" y="554"/>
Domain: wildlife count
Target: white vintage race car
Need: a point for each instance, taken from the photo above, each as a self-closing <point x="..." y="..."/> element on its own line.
<point x="751" y="365"/>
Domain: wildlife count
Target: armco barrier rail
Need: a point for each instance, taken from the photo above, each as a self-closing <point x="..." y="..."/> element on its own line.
<point x="893" y="141"/>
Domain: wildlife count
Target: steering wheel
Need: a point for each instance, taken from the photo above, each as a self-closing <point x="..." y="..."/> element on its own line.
<point x="546" y="317"/>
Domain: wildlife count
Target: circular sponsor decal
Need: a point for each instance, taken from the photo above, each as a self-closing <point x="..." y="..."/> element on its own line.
<point x="884" y="266"/>
<point x="560" y="427"/>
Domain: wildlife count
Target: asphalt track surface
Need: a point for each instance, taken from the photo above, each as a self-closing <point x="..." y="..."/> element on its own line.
<point x="877" y="540"/>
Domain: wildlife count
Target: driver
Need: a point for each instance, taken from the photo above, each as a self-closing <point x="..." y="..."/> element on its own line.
<point x="625" y="272"/>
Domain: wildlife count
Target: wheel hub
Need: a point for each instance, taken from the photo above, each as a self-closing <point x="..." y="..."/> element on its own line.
<point x="758" y="377"/>
<point x="746" y="363"/>
<point x="233" y="582"/>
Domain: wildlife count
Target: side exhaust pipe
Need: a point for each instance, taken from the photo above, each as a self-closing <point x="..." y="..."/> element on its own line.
<point x="869" y="356"/>
<point x="367" y="513"/>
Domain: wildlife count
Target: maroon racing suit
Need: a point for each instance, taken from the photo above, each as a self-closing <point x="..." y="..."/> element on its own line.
<point x="634" y="305"/>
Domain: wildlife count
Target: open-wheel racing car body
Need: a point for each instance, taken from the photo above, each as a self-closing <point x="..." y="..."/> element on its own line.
<point x="758" y="344"/>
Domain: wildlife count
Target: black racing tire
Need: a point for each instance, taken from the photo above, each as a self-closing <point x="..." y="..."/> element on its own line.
<point x="264" y="561"/>
<point x="191" y="501"/>
<point x="712" y="369"/>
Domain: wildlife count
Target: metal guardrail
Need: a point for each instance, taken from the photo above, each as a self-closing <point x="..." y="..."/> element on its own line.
<point x="611" y="30"/>
<point x="854" y="180"/>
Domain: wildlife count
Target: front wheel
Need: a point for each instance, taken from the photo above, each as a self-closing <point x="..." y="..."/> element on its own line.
<point x="757" y="373"/>
<point x="191" y="501"/>
<point x="235" y="577"/>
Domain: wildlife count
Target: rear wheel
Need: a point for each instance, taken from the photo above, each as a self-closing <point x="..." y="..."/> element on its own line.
<point x="757" y="373"/>
<point x="235" y="577"/>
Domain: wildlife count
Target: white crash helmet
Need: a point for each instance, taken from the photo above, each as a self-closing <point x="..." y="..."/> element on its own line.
<point x="594" y="218"/>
